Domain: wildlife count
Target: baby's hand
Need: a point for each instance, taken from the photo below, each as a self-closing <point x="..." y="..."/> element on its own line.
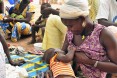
<point x="71" y="48"/>
<point x="59" y="51"/>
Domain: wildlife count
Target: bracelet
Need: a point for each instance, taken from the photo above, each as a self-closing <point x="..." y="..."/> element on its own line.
<point x="96" y="63"/>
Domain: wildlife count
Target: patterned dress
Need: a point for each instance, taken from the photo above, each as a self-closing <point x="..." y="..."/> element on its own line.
<point x="2" y="62"/>
<point x="94" y="50"/>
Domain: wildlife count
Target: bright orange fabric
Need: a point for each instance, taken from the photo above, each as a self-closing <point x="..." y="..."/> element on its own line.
<point x="60" y="68"/>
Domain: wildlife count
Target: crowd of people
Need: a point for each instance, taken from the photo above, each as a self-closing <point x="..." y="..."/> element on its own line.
<point x="77" y="35"/>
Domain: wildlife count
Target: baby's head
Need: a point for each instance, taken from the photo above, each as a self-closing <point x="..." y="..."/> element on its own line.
<point x="44" y="6"/>
<point x="49" y="54"/>
<point x="45" y="10"/>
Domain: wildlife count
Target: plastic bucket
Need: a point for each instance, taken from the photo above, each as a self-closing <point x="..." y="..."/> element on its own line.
<point x="38" y="46"/>
<point x="11" y="1"/>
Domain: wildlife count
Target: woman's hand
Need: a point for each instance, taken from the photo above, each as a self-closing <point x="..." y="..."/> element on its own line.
<point x="81" y="58"/>
<point x="8" y="20"/>
<point x="20" y="62"/>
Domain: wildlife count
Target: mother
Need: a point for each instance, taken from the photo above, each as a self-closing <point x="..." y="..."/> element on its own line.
<point x="97" y="51"/>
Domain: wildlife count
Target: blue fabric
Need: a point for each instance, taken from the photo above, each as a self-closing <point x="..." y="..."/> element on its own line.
<point x="23" y="24"/>
<point x="11" y="9"/>
<point x="11" y="1"/>
<point x="4" y="26"/>
<point x="115" y="19"/>
<point x="14" y="32"/>
<point x="33" y="64"/>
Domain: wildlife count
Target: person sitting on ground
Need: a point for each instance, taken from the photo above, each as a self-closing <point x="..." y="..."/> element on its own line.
<point x="40" y="23"/>
<point x="20" y="25"/>
<point x="58" y="68"/>
<point x="97" y="53"/>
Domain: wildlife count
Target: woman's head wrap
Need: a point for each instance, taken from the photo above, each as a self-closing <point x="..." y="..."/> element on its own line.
<point x="72" y="9"/>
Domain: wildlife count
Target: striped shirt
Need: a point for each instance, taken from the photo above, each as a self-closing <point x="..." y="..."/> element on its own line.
<point x="60" y="68"/>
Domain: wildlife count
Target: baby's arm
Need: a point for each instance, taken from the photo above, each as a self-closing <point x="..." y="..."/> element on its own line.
<point x="66" y="57"/>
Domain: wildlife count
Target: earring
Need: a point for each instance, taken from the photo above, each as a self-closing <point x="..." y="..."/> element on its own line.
<point x="84" y="24"/>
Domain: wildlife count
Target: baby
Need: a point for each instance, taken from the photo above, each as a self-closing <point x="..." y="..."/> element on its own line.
<point x="59" y="62"/>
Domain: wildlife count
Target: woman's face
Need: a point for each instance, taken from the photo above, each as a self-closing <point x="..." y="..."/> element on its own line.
<point x="74" y="25"/>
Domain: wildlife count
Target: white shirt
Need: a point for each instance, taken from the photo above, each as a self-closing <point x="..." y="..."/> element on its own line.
<point x="108" y="10"/>
<point x="2" y="62"/>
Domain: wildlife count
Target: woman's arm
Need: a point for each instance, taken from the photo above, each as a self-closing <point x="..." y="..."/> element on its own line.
<point x="5" y="47"/>
<point x="6" y="50"/>
<point x="39" y="20"/>
<point x="109" y="42"/>
<point x="27" y="19"/>
<point x="105" y="22"/>
<point x="104" y="66"/>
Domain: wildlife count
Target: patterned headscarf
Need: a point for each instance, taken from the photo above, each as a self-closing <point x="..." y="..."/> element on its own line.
<point x="72" y="9"/>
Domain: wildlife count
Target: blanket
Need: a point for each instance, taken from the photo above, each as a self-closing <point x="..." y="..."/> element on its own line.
<point x="33" y="65"/>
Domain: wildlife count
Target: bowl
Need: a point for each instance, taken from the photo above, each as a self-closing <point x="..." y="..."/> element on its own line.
<point x="38" y="46"/>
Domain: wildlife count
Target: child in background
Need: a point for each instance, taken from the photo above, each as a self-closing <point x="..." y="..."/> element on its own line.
<point x="40" y="24"/>
<point x="59" y="62"/>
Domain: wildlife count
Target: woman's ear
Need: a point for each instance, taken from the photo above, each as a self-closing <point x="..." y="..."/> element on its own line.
<point x="83" y="20"/>
<point x="84" y="23"/>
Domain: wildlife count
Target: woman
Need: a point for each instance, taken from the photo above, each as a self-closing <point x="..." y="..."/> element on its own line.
<point x="22" y="15"/>
<point x="97" y="54"/>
